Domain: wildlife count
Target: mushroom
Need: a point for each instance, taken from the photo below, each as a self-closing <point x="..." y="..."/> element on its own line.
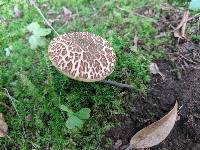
<point x="84" y="56"/>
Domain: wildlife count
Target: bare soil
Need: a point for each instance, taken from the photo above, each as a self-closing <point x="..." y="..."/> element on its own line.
<point x="156" y="103"/>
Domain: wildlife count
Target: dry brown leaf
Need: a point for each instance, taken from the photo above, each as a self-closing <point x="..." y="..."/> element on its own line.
<point x="180" y="30"/>
<point x="156" y="132"/>
<point x="185" y="24"/>
<point x="184" y="19"/>
<point x="3" y="126"/>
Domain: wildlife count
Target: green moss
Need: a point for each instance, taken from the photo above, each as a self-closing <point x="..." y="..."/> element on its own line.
<point x="38" y="88"/>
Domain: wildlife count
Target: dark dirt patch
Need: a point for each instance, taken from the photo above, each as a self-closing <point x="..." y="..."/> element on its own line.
<point x="182" y="83"/>
<point x="158" y="101"/>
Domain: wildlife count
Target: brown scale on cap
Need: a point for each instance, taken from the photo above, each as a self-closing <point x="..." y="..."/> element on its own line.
<point x="82" y="56"/>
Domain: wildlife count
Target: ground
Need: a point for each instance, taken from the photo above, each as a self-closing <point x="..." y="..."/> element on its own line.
<point x="32" y="90"/>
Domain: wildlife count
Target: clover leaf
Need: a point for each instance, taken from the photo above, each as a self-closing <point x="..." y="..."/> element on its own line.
<point x="37" y="38"/>
<point x="76" y="119"/>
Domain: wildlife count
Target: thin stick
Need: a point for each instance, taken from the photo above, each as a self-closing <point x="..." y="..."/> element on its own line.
<point x="195" y="16"/>
<point x="121" y="85"/>
<point x="47" y="22"/>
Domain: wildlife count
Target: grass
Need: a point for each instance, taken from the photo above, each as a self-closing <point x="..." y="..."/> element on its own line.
<point x="30" y="82"/>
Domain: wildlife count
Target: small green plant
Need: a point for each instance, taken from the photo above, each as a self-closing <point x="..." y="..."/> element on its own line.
<point x="37" y="38"/>
<point x="196" y="37"/>
<point x="76" y="119"/>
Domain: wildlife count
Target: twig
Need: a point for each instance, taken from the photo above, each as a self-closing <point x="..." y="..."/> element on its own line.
<point x="121" y="85"/>
<point x="188" y="59"/>
<point x="193" y="17"/>
<point x="47" y="22"/>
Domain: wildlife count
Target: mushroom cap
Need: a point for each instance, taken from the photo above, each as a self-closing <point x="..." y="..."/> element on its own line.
<point x="82" y="56"/>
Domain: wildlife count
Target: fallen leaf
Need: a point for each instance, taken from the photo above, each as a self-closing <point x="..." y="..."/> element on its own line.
<point x="184" y="19"/>
<point x="3" y="126"/>
<point x="182" y="26"/>
<point x="156" y="132"/>
<point x="183" y="29"/>
<point x="17" y="11"/>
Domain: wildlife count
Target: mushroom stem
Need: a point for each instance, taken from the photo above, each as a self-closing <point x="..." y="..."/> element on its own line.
<point x="47" y="22"/>
<point x="121" y="85"/>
